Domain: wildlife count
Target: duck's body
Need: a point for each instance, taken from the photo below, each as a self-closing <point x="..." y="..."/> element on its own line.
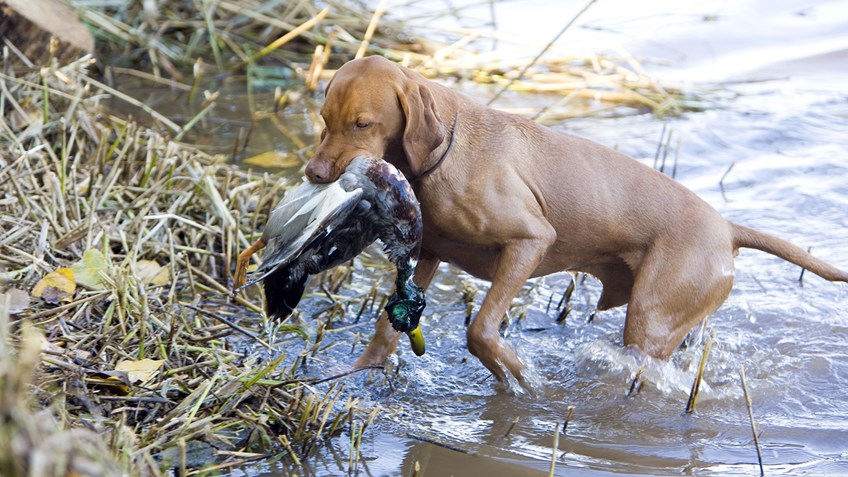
<point x="318" y="226"/>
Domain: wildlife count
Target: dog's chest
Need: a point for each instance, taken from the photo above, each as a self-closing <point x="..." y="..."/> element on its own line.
<point x="457" y="242"/>
<point x="479" y="261"/>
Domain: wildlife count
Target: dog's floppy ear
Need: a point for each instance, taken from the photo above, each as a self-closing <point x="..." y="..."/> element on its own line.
<point x="424" y="130"/>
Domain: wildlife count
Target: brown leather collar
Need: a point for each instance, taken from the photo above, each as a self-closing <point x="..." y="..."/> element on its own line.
<point x="444" y="154"/>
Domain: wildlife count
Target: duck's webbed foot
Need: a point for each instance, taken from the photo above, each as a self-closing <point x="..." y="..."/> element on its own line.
<point x="240" y="275"/>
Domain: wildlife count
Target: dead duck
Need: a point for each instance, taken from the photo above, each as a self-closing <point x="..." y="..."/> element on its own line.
<point x="318" y="226"/>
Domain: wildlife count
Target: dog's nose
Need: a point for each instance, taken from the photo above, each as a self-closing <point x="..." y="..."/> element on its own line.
<point x="318" y="172"/>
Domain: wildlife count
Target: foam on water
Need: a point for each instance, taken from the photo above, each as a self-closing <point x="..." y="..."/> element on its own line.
<point x="608" y="359"/>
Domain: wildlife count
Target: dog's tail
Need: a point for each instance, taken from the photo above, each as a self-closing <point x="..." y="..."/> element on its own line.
<point x="750" y="238"/>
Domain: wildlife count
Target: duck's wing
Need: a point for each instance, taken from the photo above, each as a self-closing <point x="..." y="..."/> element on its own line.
<point x="291" y="215"/>
<point x="310" y="216"/>
<point x="399" y="218"/>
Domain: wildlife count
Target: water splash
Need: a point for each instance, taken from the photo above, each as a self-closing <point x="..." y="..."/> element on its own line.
<point x="614" y="361"/>
<point x="534" y="382"/>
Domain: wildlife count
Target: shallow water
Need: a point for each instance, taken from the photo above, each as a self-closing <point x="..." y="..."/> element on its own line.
<point x="789" y="179"/>
<point x="786" y="137"/>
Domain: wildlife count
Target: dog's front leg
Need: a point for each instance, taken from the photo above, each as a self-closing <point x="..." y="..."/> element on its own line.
<point x="385" y="339"/>
<point x="515" y="264"/>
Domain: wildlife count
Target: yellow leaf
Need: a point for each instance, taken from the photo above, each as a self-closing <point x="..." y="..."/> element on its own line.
<point x="140" y="371"/>
<point x="151" y="273"/>
<point x="274" y="160"/>
<point x="87" y="271"/>
<point x="162" y="278"/>
<point x="56" y="286"/>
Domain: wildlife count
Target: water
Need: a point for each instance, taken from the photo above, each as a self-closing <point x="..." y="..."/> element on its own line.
<point x="780" y="120"/>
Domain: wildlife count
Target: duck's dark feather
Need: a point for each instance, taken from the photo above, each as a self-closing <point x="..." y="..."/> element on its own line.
<point x="318" y="226"/>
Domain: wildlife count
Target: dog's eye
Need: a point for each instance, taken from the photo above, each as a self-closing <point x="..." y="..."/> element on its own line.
<point x="362" y="124"/>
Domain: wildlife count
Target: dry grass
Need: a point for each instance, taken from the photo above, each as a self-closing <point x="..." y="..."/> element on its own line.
<point x="75" y="179"/>
<point x="180" y="39"/>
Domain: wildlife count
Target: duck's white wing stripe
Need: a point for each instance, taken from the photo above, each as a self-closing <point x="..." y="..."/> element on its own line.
<point x="328" y="207"/>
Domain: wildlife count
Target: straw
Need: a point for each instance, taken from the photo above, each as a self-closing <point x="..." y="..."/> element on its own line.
<point x="145" y="224"/>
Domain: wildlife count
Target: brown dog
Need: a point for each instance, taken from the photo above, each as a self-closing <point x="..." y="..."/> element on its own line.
<point x="506" y="200"/>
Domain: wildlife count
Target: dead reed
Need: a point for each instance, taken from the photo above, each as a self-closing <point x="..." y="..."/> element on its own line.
<point x="173" y="40"/>
<point x="755" y="431"/>
<point x="699" y="376"/>
<point x="116" y="244"/>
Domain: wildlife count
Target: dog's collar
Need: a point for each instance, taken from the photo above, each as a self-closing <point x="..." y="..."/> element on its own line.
<point x="444" y="154"/>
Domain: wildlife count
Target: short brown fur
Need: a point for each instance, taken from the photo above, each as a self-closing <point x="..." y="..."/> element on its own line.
<point x="513" y="200"/>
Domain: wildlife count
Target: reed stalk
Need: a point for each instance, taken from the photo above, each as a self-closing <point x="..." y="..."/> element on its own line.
<point x="754" y="431"/>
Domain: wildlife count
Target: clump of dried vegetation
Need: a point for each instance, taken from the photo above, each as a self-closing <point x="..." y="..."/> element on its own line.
<point x="116" y="243"/>
<point x="254" y="37"/>
<point x="117" y="239"/>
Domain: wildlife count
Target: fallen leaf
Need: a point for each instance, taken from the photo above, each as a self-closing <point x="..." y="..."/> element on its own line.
<point x="18" y="300"/>
<point x="151" y="273"/>
<point x="274" y="160"/>
<point x="56" y="286"/>
<point x="162" y="278"/>
<point x="117" y="381"/>
<point x="87" y="271"/>
<point x="140" y="371"/>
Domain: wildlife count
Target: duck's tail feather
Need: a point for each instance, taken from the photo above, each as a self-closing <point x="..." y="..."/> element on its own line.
<point x="282" y="294"/>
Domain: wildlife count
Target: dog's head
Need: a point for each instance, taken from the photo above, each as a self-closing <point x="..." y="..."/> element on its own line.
<point x="377" y="108"/>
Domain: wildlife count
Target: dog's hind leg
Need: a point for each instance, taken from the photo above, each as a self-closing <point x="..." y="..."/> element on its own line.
<point x="679" y="283"/>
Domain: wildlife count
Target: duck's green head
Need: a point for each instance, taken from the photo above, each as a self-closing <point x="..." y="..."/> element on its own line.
<point x="405" y="306"/>
<point x="404" y="310"/>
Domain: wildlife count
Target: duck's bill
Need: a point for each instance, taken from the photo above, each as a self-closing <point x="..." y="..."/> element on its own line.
<point x="416" y="341"/>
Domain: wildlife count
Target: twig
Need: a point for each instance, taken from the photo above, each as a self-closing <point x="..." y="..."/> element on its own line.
<point x="440" y="444"/>
<point x="751" y="417"/>
<point x="801" y="276"/>
<point x="660" y="144"/>
<point x="676" y="157"/>
<point x="544" y="50"/>
<point x="511" y="426"/>
<point x="696" y="385"/>
<point x="555" y="449"/>
<point x="372" y="26"/>
<point x="229" y="323"/>
<point x="636" y="384"/>
<point x="568" y="417"/>
<point x="345" y="374"/>
<point x="217" y="286"/>
<point x="285" y="38"/>
<point x="723" y="177"/>
<point x="73" y="304"/>
<point x="208" y="104"/>
<point x="665" y="150"/>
